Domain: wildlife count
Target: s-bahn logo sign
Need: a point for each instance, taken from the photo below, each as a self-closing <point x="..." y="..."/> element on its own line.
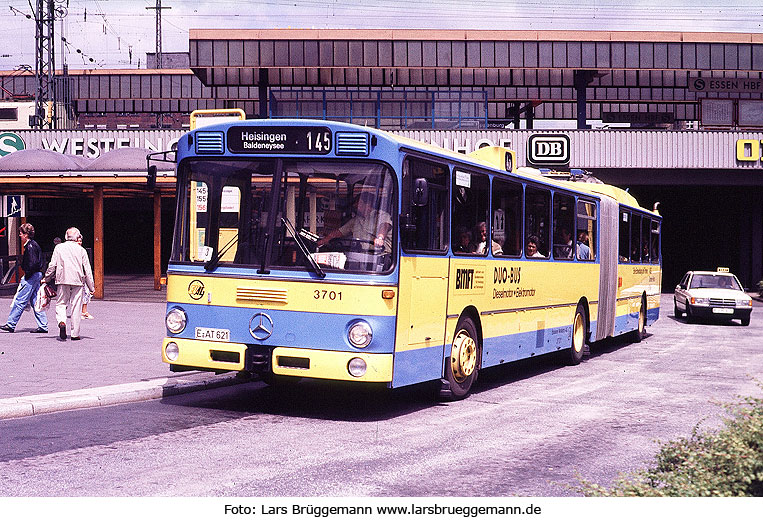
<point x="548" y="150"/>
<point x="10" y="142"/>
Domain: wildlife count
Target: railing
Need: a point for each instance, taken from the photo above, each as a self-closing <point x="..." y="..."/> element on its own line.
<point x="407" y="109"/>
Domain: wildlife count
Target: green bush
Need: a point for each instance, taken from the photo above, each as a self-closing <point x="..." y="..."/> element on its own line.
<point x="728" y="462"/>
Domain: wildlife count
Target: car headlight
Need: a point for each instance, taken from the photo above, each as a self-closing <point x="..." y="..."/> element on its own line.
<point x="744" y="303"/>
<point x="175" y="320"/>
<point x="360" y="334"/>
<point x="700" y="301"/>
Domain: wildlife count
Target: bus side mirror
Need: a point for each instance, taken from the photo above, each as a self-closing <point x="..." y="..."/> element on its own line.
<point x="407" y="224"/>
<point x="151" y="177"/>
<point x="420" y="192"/>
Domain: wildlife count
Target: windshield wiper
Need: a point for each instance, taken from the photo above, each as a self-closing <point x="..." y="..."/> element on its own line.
<point x="303" y="248"/>
<point x="211" y="264"/>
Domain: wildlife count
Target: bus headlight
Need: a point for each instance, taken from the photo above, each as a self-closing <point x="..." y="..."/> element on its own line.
<point x="176" y="320"/>
<point x="356" y="367"/>
<point x="360" y="334"/>
<point x="172" y="351"/>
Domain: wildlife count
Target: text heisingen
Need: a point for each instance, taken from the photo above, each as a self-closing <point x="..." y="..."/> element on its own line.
<point x="262" y="141"/>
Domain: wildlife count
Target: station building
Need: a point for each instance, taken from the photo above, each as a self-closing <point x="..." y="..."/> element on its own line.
<point x="677" y="119"/>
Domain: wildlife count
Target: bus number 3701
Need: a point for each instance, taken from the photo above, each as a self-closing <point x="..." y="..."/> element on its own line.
<point x="324" y="294"/>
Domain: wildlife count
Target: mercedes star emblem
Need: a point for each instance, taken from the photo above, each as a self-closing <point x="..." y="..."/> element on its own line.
<point x="261" y="326"/>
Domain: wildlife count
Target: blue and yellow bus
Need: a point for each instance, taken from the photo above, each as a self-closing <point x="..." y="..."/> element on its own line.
<point x="328" y="250"/>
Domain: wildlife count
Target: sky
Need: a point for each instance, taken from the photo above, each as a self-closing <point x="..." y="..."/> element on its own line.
<point x="118" y="33"/>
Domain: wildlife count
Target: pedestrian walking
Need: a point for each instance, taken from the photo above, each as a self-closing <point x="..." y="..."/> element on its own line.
<point x="32" y="263"/>
<point x="70" y="268"/>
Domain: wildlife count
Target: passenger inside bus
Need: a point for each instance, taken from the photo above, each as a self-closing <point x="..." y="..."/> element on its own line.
<point x="464" y="240"/>
<point x="584" y="251"/>
<point x="563" y="246"/>
<point x="480" y="247"/>
<point x="531" y="248"/>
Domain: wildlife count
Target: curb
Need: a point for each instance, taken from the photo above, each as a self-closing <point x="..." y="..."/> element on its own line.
<point x="16" y="407"/>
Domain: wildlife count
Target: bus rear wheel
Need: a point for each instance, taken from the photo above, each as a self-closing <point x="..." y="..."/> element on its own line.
<point x="579" y="334"/>
<point x="462" y="366"/>
<point x="640" y="331"/>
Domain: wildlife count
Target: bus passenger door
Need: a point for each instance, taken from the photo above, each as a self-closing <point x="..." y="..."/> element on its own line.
<point x="423" y="273"/>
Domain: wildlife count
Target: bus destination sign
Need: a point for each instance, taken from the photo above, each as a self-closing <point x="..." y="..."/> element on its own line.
<point x="280" y="139"/>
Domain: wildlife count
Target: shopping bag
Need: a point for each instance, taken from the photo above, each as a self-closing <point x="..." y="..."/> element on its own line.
<point x="42" y="300"/>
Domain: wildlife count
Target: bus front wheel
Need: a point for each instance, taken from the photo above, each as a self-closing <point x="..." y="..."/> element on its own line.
<point x="462" y="365"/>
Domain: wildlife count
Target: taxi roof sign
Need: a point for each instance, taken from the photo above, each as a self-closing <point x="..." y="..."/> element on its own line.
<point x="723" y="270"/>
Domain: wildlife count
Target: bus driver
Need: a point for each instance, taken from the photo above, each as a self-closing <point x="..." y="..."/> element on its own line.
<point x="369" y="225"/>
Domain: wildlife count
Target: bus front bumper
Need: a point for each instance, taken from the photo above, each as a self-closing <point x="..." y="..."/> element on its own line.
<point x="287" y="361"/>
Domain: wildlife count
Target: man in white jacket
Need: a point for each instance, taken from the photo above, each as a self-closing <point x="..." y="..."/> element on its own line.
<point x="70" y="267"/>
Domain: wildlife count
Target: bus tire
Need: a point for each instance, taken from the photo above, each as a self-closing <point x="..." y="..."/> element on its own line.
<point x="579" y="336"/>
<point x="462" y="365"/>
<point x="640" y="331"/>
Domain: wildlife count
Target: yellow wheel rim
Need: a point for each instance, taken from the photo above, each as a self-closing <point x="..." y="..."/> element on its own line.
<point x="578" y="333"/>
<point x="463" y="356"/>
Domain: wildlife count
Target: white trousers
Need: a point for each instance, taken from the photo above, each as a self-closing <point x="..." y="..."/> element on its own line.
<point x="69" y="302"/>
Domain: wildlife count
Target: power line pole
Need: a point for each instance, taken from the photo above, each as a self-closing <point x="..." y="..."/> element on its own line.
<point x="158" y="8"/>
<point x="45" y="64"/>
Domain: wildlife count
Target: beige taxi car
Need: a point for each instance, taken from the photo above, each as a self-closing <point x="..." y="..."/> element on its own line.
<point x="712" y="294"/>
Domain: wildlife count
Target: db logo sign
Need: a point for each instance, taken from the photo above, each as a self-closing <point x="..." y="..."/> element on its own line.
<point x="548" y="150"/>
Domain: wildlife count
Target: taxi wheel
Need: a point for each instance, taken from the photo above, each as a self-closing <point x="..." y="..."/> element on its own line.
<point x="462" y="366"/>
<point x="579" y="334"/>
<point x="745" y="320"/>
<point x="676" y="312"/>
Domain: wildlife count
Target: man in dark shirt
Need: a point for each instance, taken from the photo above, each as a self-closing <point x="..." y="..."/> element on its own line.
<point x="32" y="265"/>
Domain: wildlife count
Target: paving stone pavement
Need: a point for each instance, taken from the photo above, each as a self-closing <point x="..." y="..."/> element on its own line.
<point x="117" y="360"/>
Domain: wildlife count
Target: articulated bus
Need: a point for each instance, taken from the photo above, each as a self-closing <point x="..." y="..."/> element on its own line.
<point x="328" y="250"/>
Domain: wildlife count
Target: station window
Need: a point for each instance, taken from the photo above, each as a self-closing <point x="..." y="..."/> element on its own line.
<point x="625" y="236"/>
<point x="507" y="217"/>
<point x="585" y="232"/>
<point x="564" y="221"/>
<point x="424" y="223"/>
<point x="537" y="215"/>
<point x="471" y="192"/>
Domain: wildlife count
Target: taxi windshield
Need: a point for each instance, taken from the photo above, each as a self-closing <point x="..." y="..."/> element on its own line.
<point x="714" y="281"/>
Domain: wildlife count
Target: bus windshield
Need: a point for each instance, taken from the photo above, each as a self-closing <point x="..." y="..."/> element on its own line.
<point x="289" y="213"/>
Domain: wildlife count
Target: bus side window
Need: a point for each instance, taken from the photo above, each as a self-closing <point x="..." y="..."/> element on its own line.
<point x="425" y="227"/>
<point x="655" y="242"/>
<point x="635" y="238"/>
<point x="625" y="236"/>
<point x="537" y="215"/>
<point x="585" y="234"/>
<point x="470" y="210"/>
<point x="564" y="220"/>
<point x="507" y="217"/>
